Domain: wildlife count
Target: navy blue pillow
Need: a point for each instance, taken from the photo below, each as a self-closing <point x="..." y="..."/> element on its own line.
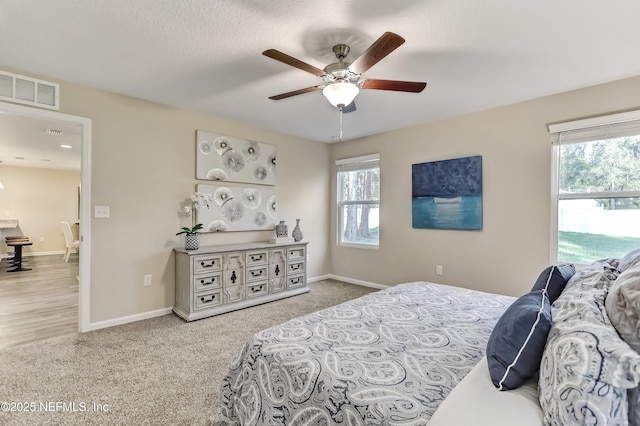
<point x="516" y="344"/>
<point x="560" y="274"/>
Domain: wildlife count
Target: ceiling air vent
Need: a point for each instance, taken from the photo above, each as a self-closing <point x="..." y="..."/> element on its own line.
<point x="29" y="91"/>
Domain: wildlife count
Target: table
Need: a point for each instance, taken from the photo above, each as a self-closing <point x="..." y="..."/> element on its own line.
<point x="17" y="258"/>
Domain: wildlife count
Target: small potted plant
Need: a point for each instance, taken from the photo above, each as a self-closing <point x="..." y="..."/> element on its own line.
<point x="192" y="235"/>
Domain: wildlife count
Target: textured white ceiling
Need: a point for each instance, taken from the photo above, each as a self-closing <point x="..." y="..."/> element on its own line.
<point x="206" y="55"/>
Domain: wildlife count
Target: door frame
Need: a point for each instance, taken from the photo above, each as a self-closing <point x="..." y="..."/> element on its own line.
<point x="84" y="285"/>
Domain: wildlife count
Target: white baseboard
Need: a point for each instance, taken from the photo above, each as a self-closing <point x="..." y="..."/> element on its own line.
<point x="348" y="280"/>
<point x="44" y="253"/>
<point x="166" y="311"/>
<point x="130" y="318"/>
<point x="319" y="278"/>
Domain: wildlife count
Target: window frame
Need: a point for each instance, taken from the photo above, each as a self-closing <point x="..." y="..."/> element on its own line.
<point x="579" y="131"/>
<point x="371" y="161"/>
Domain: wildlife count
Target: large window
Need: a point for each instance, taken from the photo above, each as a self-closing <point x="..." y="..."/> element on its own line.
<point x="596" y="188"/>
<point x="359" y="201"/>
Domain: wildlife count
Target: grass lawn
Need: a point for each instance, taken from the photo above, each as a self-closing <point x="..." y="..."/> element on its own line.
<point x="577" y="247"/>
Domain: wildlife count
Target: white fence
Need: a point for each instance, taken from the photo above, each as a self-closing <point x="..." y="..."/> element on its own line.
<point x="586" y="216"/>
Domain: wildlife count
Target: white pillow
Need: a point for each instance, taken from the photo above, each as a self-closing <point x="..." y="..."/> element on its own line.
<point x="630" y="259"/>
<point x="476" y="402"/>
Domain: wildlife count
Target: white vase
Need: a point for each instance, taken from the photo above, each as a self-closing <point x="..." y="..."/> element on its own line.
<point x="297" y="232"/>
<point x="192" y="241"/>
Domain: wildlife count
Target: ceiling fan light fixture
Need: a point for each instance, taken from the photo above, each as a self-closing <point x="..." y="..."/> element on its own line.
<point x="340" y="94"/>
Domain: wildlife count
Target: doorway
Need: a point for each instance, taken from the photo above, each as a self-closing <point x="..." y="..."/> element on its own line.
<point x="85" y="200"/>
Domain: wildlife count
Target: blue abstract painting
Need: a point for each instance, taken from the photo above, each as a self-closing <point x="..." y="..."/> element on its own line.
<point x="447" y="194"/>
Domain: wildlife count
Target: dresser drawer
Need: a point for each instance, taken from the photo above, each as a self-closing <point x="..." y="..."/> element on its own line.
<point x="257" y="289"/>
<point x="207" y="282"/>
<point x="257" y="273"/>
<point x="295" y="268"/>
<point x="234" y="293"/>
<point x="257" y="257"/>
<point x="207" y="263"/>
<point x="295" y="281"/>
<point x="296" y="253"/>
<point x="207" y="300"/>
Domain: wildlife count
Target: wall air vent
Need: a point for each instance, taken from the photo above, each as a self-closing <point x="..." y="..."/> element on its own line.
<point x="29" y="91"/>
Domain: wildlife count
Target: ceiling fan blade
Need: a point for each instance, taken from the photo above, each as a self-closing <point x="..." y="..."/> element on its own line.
<point x="296" y="92"/>
<point x="349" y="108"/>
<point x="290" y="60"/>
<point x="398" y="86"/>
<point x="386" y="44"/>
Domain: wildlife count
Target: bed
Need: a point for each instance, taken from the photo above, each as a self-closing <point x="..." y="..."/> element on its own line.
<point x="387" y="358"/>
<point x="566" y="353"/>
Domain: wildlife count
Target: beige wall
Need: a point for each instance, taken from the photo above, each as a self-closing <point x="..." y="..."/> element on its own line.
<point x="143" y="166"/>
<point x="508" y="254"/>
<point x="40" y="199"/>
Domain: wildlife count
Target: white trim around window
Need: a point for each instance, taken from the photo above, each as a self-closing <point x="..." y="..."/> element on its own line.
<point x="591" y="129"/>
<point x="344" y="167"/>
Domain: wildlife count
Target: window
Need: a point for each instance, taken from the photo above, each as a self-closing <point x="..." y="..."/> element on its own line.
<point x="596" y="188"/>
<point x="359" y="201"/>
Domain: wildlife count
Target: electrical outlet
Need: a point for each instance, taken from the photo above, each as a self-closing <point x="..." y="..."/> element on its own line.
<point x="438" y="269"/>
<point x="42" y="239"/>
<point x="147" y="280"/>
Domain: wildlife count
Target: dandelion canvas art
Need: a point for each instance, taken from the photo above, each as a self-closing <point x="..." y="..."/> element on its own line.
<point x="235" y="208"/>
<point x="447" y="194"/>
<point x="225" y="158"/>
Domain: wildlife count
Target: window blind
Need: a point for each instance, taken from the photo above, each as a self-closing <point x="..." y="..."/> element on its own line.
<point x="364" y="162"/>
<point x="597" y="128"/>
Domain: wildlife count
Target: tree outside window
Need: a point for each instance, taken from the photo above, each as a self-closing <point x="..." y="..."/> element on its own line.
<point x="598" y="198"/>
<point x="359" y="201"/>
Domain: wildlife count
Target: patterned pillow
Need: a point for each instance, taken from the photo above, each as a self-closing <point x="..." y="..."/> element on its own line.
<point x="634" y="406"/>
<point x="623" y="306"/>
<point x="586" y="367"/>
<point x="554" y="279"/>
<point x="514" y="349"/>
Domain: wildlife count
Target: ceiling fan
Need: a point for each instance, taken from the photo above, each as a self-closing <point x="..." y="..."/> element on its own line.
<point x="342" y="80"/>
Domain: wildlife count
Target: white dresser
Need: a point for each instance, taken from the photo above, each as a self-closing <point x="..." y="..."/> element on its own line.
<point x="217" y="279"/>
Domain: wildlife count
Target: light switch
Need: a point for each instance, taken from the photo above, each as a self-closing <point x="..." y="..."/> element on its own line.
<point x="101" y="212"/>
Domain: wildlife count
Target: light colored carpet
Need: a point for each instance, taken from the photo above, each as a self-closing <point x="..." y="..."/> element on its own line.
<point x="161" y="371"/>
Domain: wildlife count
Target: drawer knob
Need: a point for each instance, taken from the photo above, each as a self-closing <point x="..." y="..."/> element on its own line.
<point x="256" y="274"/>
<point x="256" y="289"/>
<point x="277" y="270"/>
<point x="234" y="277"/>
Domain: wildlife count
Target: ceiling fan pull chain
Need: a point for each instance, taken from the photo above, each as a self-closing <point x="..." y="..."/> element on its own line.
<point x="340" y="109"/>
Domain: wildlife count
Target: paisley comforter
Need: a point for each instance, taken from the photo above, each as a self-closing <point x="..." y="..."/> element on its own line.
<point x="386" y="358"/>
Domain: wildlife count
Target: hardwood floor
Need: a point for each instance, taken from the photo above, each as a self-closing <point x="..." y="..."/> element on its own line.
<point x="40" y="303"/>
